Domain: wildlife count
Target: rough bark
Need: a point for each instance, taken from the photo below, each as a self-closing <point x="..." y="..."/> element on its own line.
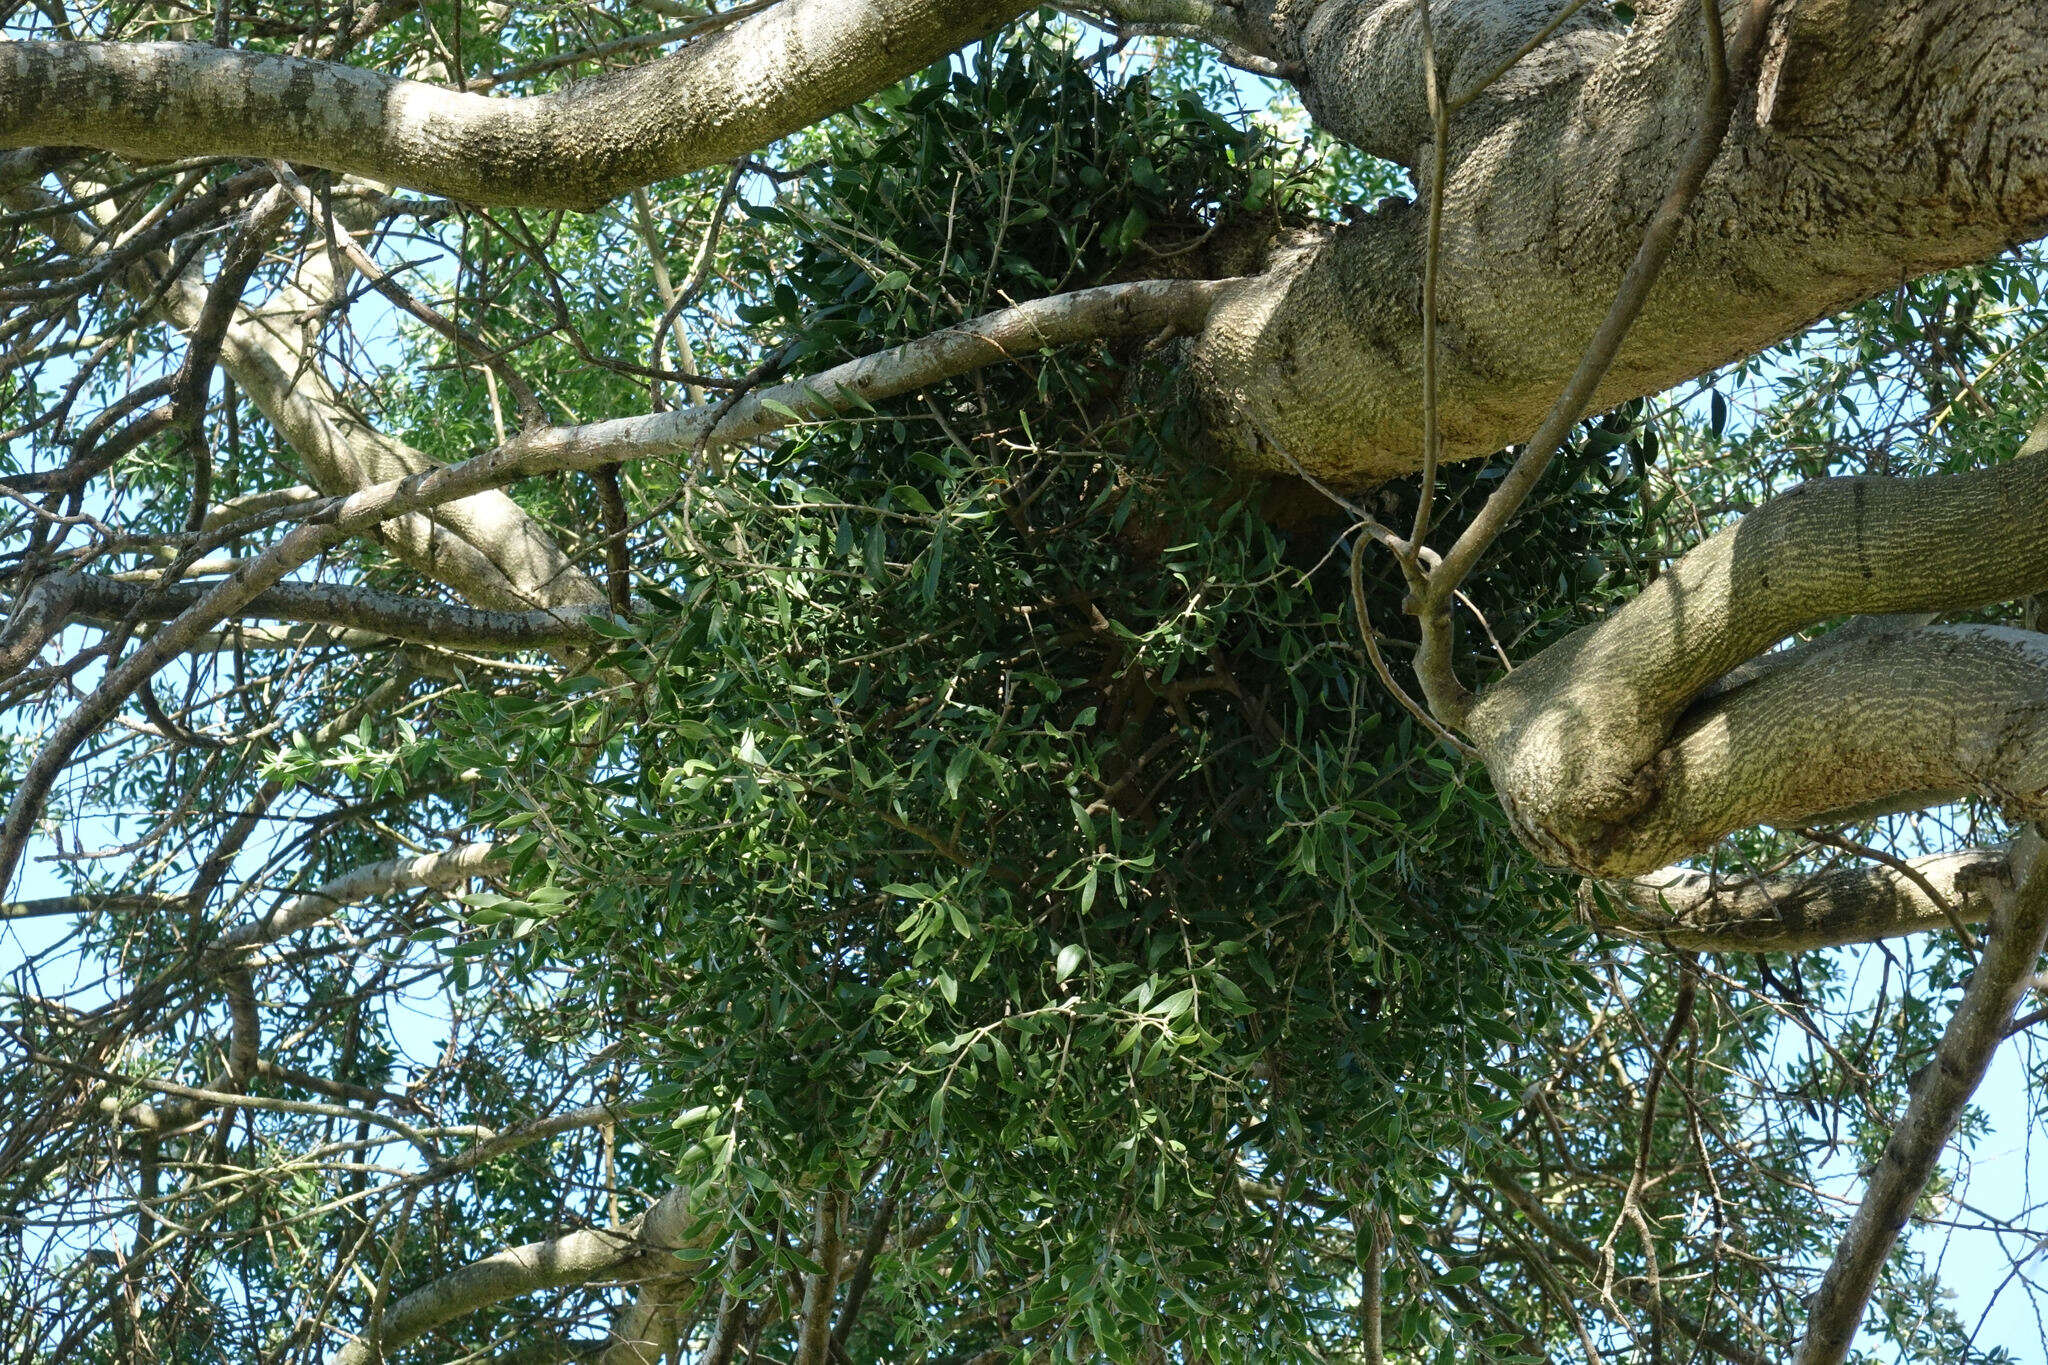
<point x="1881" y="140"/>
<point x="1606" y="760"/>
<point x="715" y="99"/>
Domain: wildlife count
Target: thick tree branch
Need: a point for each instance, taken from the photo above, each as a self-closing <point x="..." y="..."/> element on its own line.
<point x="814" y="1335"/>
<point x="1839" y="176"/>
<point x="1886" y="725"/>
<point x="1238" y="37"/>
<point x="1729" y="59"/>
<point x="644" y="1330"/>
<point x="738" y="89"/>
<point x="1606" y="761"/>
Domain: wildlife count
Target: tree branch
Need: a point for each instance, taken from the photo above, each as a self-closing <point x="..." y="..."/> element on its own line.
<point x="438" y="870"/>
<point x="814" y="1335"/>
<point x="1616" y="750"/>
<point x="737" y="89"/>
<point x="1973" y="1033"/>
<point x="640" y="1248"/>
<point x="485" y="547"/>
<point x="1833" y="184"/>
<point x="1696" y="911"/>
<point x="1147" y="308"/>
<point x="1222" y="24"/>
<point x="1561" y="1237"/>
<point x="1726" y="63"/>
<point x="59" y="598"/>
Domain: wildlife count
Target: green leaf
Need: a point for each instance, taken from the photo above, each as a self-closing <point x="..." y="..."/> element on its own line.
<point x="1035" y="1317"/>
<point x="956" y="771"/>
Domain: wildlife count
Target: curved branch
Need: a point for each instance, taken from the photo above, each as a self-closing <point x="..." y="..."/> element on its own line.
<point x="1608" y="761"/>
<point x="1893" y="723"/>
<point x="637" y="1250"/>
<point x="716" y="99"/>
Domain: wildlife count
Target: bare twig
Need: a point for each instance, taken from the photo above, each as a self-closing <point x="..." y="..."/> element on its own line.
<point x="2002" y="976"/>
<point x="530" y="410"/>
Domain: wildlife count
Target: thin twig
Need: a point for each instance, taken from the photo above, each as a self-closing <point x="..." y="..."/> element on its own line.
<point x="1379" y="664"/>
<point x="1974" y="1031"/>
<point x="530" y="410"/>
<point x="1432" y="253"/>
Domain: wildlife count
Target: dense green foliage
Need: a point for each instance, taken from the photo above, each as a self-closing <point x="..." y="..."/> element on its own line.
<point x="997" y="797"/>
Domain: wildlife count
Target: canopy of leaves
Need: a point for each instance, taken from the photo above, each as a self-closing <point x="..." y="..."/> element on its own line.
<point x="986" y="817"/>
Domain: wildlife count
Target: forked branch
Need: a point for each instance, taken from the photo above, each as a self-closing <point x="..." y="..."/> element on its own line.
<point x="1617" y="750"/>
